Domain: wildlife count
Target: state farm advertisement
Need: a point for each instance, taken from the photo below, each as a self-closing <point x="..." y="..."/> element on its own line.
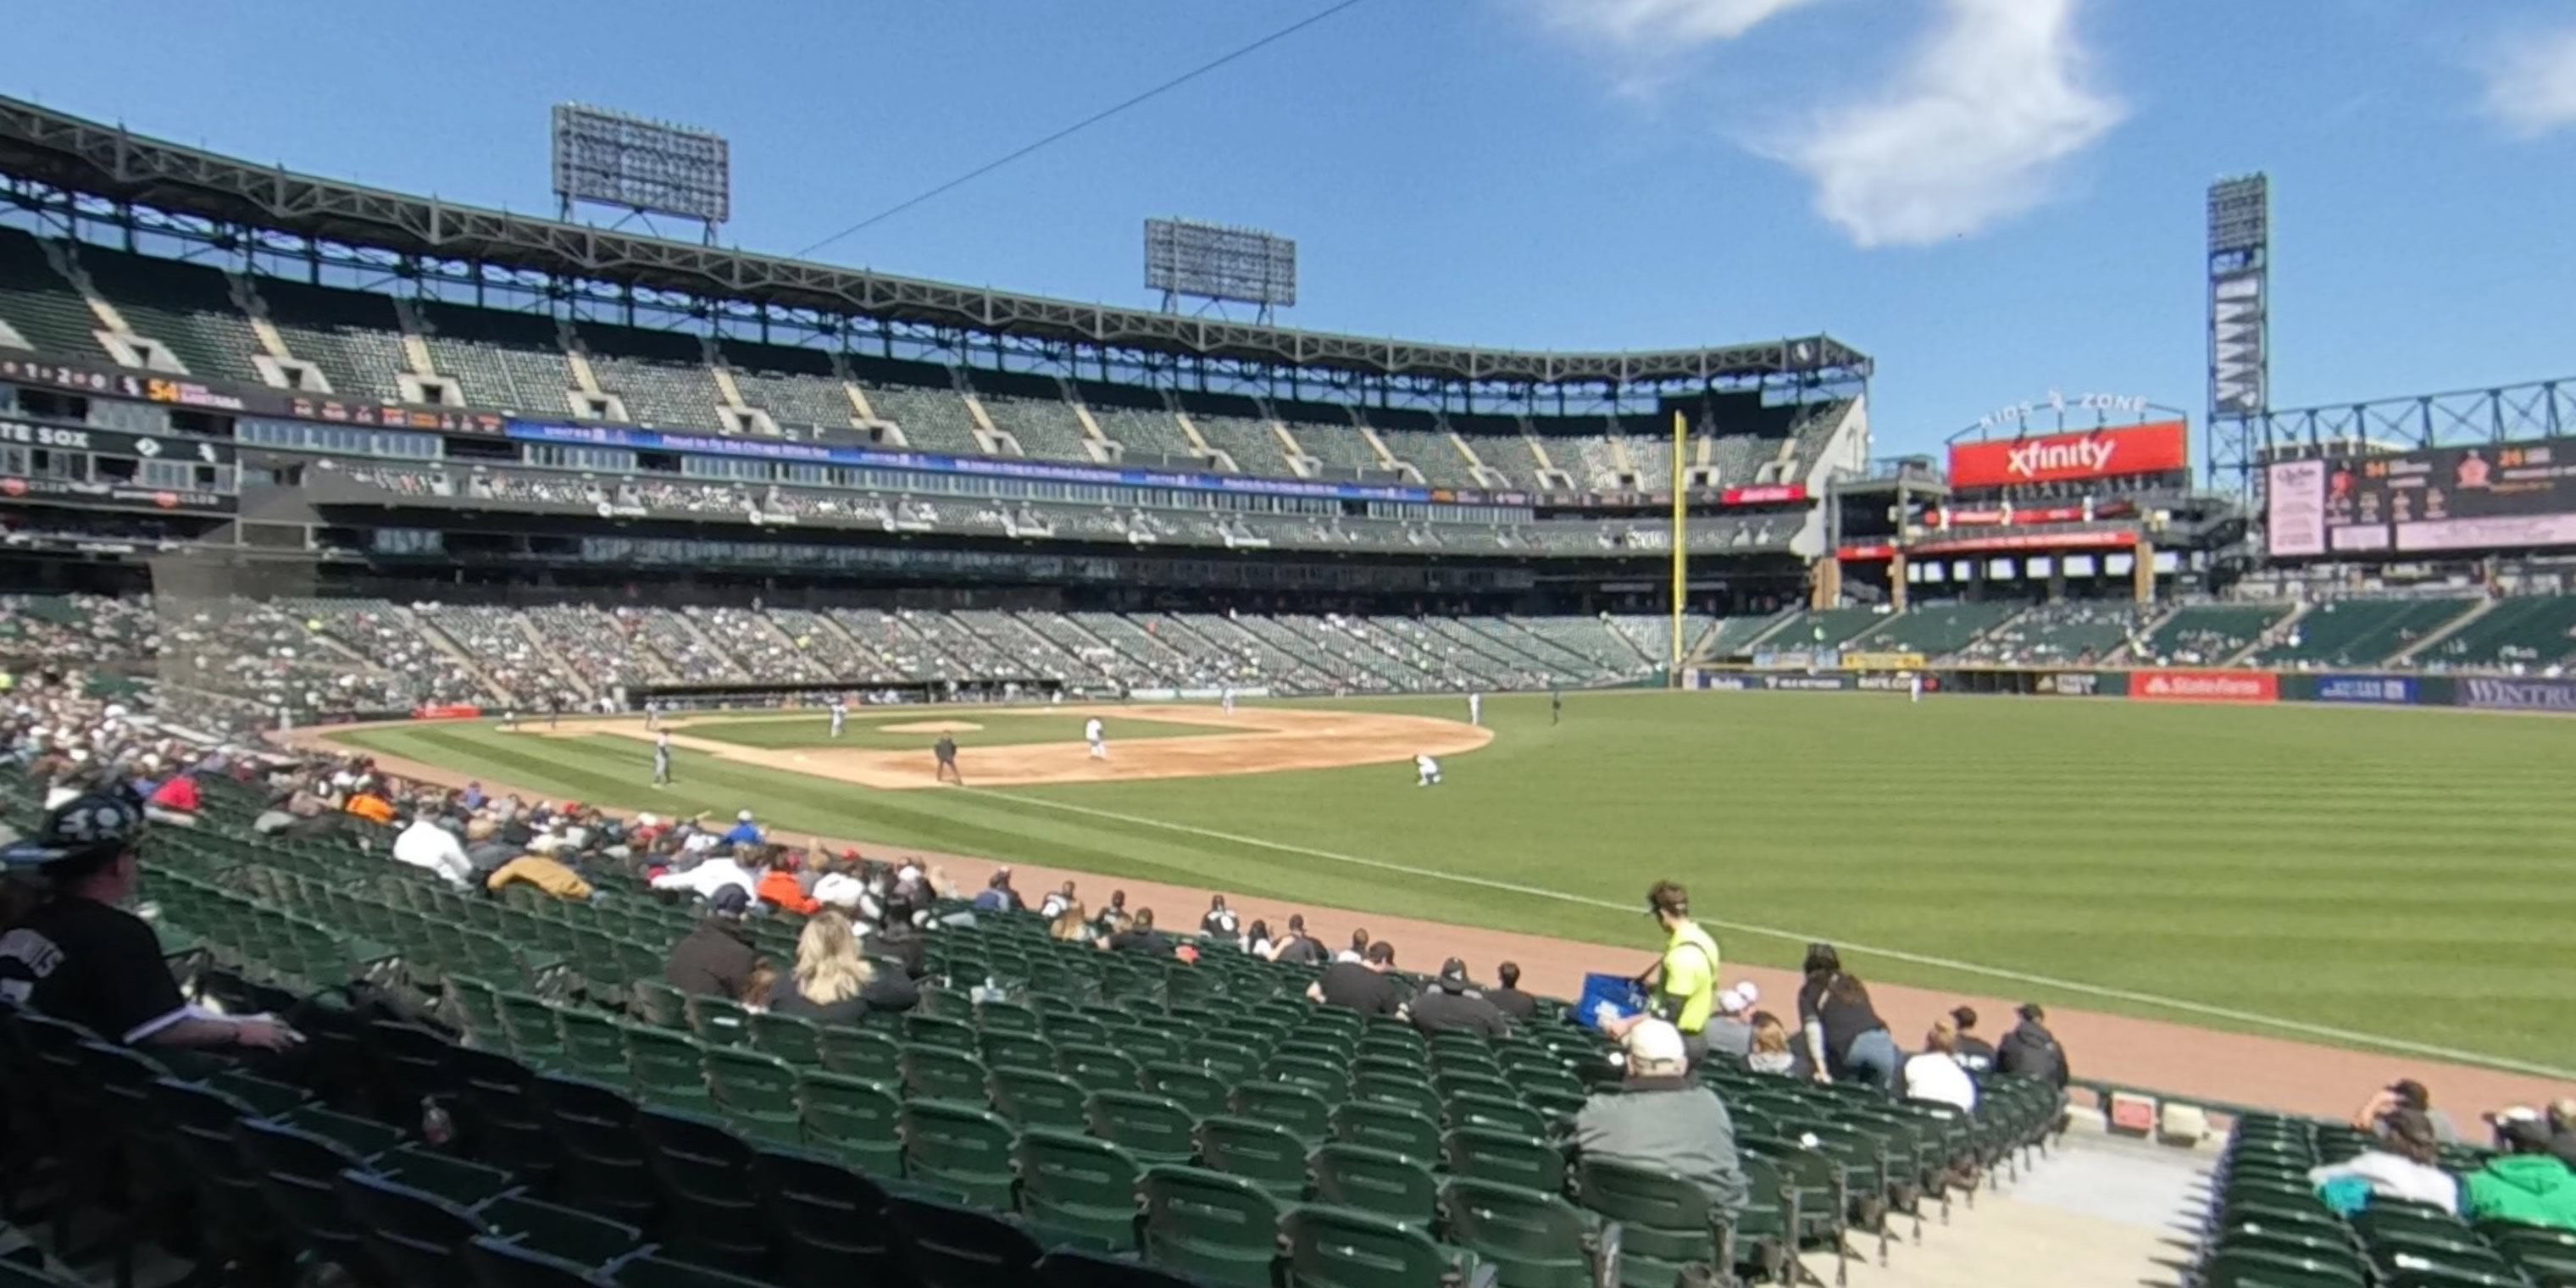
<point x="2160" y="448"/>
<point x="2205" y="686"/>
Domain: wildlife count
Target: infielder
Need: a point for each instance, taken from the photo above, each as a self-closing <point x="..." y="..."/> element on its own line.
<point x="1426" y="771"/>
<point x="1476" y="709"/>
<point x="1099" y="739"/>
<point x="1225" y="699"/>
<point x="662" y="759"/>
<point x="652" y="716"/>
<point x="840" y="715"/>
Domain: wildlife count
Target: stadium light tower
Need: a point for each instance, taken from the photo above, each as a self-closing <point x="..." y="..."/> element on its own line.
<point x="2240" y="348"/>
<point x="1217" y="263"/>
<point x="641" y="167"/>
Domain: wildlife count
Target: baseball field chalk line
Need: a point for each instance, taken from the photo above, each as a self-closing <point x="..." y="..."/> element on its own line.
<point x="2346" y="1037"/>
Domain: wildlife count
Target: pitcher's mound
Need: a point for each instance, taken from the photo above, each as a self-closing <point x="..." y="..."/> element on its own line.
<point x="932" y="726"/>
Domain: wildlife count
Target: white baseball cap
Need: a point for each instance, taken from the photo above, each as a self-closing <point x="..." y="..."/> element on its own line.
<point x="743" y="817"/>
<point x="1655" y="1044"/>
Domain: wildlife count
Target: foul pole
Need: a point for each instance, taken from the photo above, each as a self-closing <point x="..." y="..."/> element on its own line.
<point x="1681" y="545"/>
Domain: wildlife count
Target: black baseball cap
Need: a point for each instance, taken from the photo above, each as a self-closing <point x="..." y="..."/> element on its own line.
<point x="85" y="827"/>
<point x="1454" y="971"/>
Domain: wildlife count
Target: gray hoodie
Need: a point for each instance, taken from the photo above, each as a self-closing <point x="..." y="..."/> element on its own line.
<point x="1670" y="1125"/>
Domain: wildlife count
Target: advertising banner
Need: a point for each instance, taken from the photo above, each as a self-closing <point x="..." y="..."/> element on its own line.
<point x="13" y="488"/>
<point x="449" y="711"/>
<point x="2205" y="686"/>
<point x="114" y="442"/>
<point x="1817" y="683"/>
<point x="2486" y="497"/>
<point x="1884" y="661"/>
<point x="2384" y="690"/>
<point x="2082" y="684"/>
<point x="2160" y="448"/>
<point x="1797" y="659"/>
<point x="2518" y="695"/>
<point x="1769" y="494"/>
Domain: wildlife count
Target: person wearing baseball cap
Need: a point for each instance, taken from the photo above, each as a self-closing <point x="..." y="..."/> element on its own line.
<point x="1661" y="1118"/>
<point x="2526" y="1183"/>
<point x="1451" y="1005"/>
<point x="78" y="956"/>
<point x="1685" y="980"/>
<point x="1730" y="1030"/>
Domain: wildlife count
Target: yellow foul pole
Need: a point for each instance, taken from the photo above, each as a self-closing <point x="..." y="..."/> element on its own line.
<point x="1681" y="543"/>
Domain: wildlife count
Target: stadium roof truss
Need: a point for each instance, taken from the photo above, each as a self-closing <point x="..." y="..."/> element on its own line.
<point x="2513" y="413"/>
<point x="77" y="159"/>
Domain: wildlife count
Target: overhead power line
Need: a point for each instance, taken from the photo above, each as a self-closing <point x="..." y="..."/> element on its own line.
<point x="1085" y="123"/>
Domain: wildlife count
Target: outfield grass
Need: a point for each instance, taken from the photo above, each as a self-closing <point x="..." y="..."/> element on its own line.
<point x="2395" y="873"/>
<point x="1013" y="730"/>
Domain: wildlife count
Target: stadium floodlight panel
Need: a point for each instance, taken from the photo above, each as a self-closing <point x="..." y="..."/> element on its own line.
<point x="615" y="159"/>
<point x="2240" y="214"/>
<point x="1220" y="262"/>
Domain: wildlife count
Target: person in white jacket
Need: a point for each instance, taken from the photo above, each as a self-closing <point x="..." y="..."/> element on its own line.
<point x="717" y="872"/>
<point x="1936" y="1074"/>
<point x="2403" y="1168"/>
<point x="427" y="845"/>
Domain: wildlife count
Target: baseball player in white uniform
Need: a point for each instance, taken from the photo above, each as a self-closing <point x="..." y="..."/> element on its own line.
<point x="840" y="715"/>
<point x="1914" y="685"/>
<point x="1098" y="738"/>
<point x="1225" y="699"/>
<point x="1476" y="709"/>
<point x="1426" y="771"/>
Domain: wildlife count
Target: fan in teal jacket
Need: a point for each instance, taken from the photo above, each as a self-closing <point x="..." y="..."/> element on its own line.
<point x="2528" y="1185"/>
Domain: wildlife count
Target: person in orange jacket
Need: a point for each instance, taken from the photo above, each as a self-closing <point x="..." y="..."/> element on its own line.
<point x="778" y="884"/>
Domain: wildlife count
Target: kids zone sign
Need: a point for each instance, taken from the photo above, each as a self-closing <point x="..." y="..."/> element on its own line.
<point x="2161" y="447"/>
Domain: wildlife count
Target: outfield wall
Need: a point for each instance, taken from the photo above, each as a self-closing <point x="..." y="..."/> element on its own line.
<point x="2351" y="688"/>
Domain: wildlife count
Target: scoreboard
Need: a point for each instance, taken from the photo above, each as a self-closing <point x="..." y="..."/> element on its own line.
<point x="2494" y="496"/>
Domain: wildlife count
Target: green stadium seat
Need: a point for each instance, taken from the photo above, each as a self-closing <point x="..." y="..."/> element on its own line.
<point x="417" y="1237"/>
<point x="1665" y="1222"/>
<point x="1530" y="1238"/>
<point x="755" y="1092"/>
<point x="1386" y="1127"/>
<point x="942" y="1073"/>
<point x="959" y="1150"/>
<point x="858" y="1053"/>
<point x="298" y="1174"/>
<point x="1194" y="1088"/>
<point x="1075" y="1268"/>
<point x="669" y="1069"/>
<point x="605" y="1165"/>
<point x="1330" y="1247"/>
<point x="558" y="1231"/>
<point x="1033" y="1098"/>
<point x="503" y="1263"/>
<point x="953" y="1247"/>
<point x="1377" y="1182"/>
<point x="792" y="1038"/>
<point x="1305" y="1114"/>
<point x="1222" y="1230"/>
<point x="498" y="1115"/>
<point x="1074" y="1187"/>
<point x="1099" y="1069"/>
<point x="1263" y="1153"/>
<point x="710" y="1199"/>
<point x="831" y="1221"/>
<point x="854" y="1120"/>
<point x="649" y="1269"/>
<point x="1152" y="1128"/>
<point x="1023" y="1049"/>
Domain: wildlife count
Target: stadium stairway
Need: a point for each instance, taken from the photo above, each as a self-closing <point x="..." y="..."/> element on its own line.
<point x="2432" y="640"/>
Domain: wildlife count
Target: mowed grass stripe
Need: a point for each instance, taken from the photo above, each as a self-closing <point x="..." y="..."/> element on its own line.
<point x="2386" y="873"/>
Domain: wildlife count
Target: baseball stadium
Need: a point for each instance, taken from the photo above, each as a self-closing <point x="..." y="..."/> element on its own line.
<point x="652" y="763"/>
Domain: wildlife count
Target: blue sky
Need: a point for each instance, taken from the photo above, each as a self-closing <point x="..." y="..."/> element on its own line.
<point x="1993" y="197"/>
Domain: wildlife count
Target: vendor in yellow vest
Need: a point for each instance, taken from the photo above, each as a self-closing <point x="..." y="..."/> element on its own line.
<point x="1685" y="980"/>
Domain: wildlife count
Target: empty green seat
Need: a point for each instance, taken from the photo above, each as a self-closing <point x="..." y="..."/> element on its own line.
<point x="1197" y="1090"/>
<point x="1331" y="1247"/>
<point x="854" y="1120"/>
<point x="756" y="1092"/>
<point x="1302" y="1112"/>
<point x="1152" y="1128"/>
<point x="1221" y="1229"/>
<point x="1263" y="1153"/>
<point x="1377" y="1182"/>
<point x="1530" y="1239"/>
<point x="1034" y="1098"/>
<point x="1380" y="1126"/>
<point x="942" y="1073"/>
<point x="1665" y="1222"/>
<point x="962" y="1150"/>
<point x="1506" y="1157"/>
<point x="1072" y="1186"/>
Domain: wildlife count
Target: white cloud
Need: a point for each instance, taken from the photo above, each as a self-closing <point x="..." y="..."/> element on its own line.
<point x="2531" y="83"/>
<point x="1666" y="22"/>
<point x="1970" y="131"/>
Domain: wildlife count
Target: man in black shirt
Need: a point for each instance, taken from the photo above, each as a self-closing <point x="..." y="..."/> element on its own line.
<point x="1140" y="937"/>
<point x="1369" y="987"/>
<point x="716" y="959"/>
<point x="1509" y="999"/>
<point x="1220" y="921"/>
<point x="1447" y="1006"/>
<point x="79" y="957"/>
<point x="1301" y="949"/>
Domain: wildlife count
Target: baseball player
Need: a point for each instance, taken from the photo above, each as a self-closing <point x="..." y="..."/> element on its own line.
<point x="946" y="750"/>
<point x="1225" y="699"/>
<point x="1476" y="709"/>
<point x="1426" y="771"/>
<point x="652" y="715"/>
<point x="1555" y="705"/>
<point x="662" y="759"/>
<point x="1099" y="739"/>
<point x="1914" y="685"/>
<point x="840" y="715"/>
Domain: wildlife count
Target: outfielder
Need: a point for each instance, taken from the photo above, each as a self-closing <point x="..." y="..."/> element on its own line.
<point x="1914" y="685"/>
<point x="1094" y="735"/>
<point x="652" y="715"/>
<point x="840" y="715"/>
<point x="1476" y="709"/>
<point x="662" y="759"/>
<point x="1426" y="771"/>
<point x="1225" y="699"/>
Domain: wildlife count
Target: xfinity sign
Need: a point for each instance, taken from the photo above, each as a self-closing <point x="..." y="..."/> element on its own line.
<point x="2129" y="451"/>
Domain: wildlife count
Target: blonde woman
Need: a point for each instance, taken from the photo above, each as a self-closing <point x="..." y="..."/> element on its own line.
<point x="1072" y="925"/>
<point x="831" y="979"/>
<point x="1770" y="1046"/>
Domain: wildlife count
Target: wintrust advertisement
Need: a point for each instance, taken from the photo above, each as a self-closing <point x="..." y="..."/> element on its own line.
<point x="2205" y="686"/>
<point x="2159" y="448"/>
<point x="2519" y="695"/>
